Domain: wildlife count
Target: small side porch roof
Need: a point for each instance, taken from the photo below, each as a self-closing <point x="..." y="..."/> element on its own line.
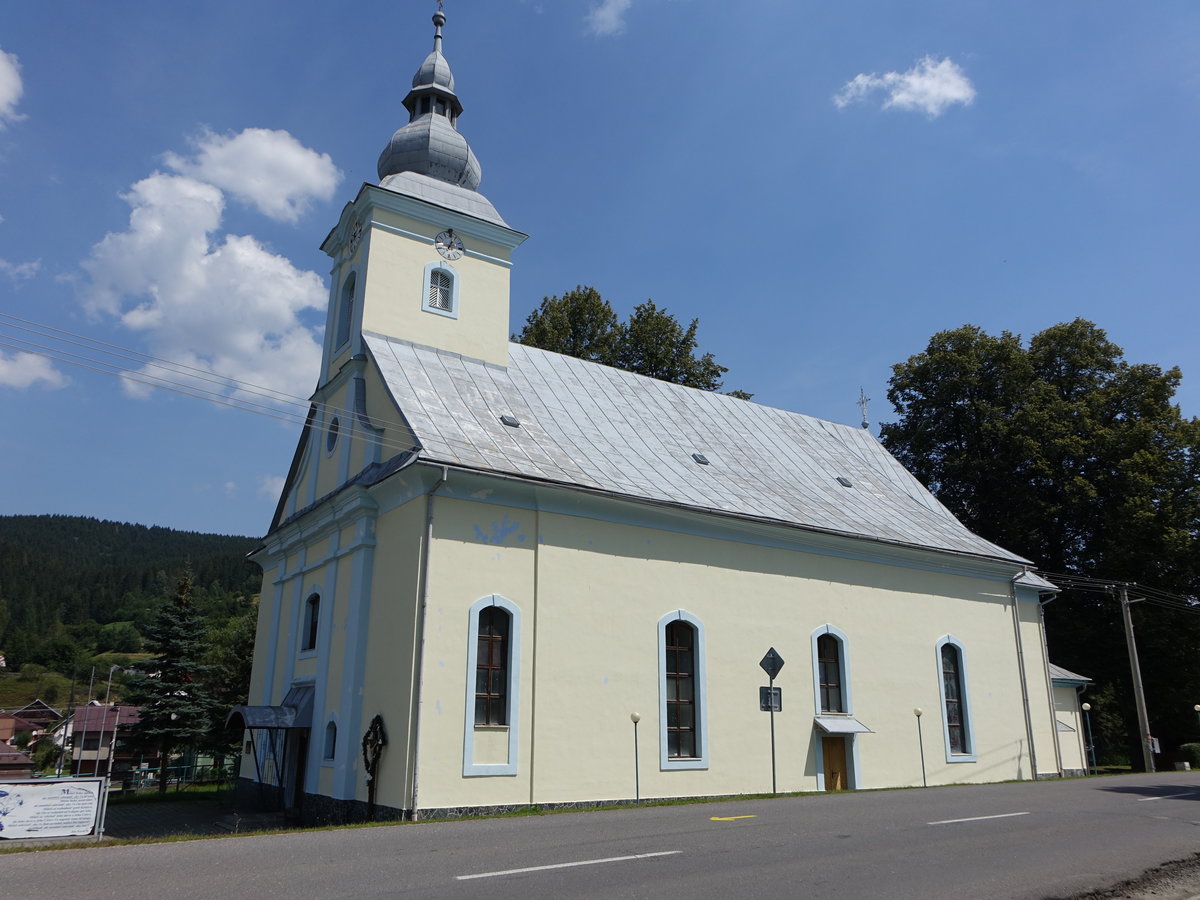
<point x="840" y="725"/>
<point x="296" y="711"/>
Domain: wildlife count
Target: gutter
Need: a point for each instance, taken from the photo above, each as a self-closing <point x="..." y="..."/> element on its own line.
<point x="1049" y="682"/>
<point x="1012" y="593"/>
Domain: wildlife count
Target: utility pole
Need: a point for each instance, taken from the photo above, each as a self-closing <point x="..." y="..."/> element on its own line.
<point x="1139" y="695"/>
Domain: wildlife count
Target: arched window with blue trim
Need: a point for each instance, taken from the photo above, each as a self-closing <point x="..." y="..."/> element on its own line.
<point x="956" y="708"/>
<point x="345" y="311"/>
<point x="330" y="740"/>
<point x="493" y="687"/>
<point x="440" y="290"/>
<point x="312" y="622"/>
<point x="831" y="671"/>
<point x="683" y="726"/>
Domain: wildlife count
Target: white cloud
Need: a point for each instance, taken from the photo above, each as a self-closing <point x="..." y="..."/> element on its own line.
<point x="609" y="17"/>
<point x="930" y="87"/>
<point x="24" y="369"/>
<point x="269" y="169"/>
<point x="271" y="486"/>
<point x="11" y="89"/>
<point x="20" y="271"/>
<point x="220" y="303"/>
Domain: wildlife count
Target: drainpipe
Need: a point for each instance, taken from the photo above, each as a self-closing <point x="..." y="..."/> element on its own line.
<point x="414" y="719"/>
<point x="1049" y="684"/>
<point x="1012" y="593"/>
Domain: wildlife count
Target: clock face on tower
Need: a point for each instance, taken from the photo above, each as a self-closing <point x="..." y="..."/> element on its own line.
<point x="449" y="244"/>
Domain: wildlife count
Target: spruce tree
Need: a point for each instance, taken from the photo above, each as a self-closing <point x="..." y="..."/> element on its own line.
<point x="170" y="691"/>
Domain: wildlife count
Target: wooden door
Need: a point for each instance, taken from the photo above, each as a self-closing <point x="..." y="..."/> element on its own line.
<point x="834" y="751"/>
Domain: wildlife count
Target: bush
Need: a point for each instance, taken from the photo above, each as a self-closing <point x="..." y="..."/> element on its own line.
<point x="1190" y="753"/>
<point x="31" y="672"/>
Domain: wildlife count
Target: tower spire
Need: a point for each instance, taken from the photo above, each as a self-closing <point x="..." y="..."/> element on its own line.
<point x="430" y="143"/>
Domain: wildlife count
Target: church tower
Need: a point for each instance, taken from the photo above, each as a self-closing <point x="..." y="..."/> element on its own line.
<point x="422" y="256"/>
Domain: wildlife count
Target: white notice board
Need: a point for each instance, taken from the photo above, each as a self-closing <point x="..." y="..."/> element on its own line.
<point x="51" y="807"/>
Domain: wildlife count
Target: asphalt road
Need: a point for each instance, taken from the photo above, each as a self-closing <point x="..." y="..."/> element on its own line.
<point x="1050" y="839"/>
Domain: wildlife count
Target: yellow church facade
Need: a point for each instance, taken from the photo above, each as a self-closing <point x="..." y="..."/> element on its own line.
<point x="499" y="576"/>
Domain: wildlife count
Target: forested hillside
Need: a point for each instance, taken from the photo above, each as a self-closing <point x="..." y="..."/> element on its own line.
<point x="73" y="587"/>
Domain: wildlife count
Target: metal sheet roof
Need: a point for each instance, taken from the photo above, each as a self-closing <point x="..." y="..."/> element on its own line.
<point x="1058" y="673"/>
<point x="841" y="725"/>
<point x="294" y="712"/>
<point x="592" y="426"/>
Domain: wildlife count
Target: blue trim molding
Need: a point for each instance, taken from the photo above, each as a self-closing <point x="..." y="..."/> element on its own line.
<point x="470" y="767"/>
<point x="666" y="763"/>
<point x="965" y="700"/>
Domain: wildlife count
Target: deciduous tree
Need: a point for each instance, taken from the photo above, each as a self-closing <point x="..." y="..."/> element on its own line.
<point x="1066" y="453"/>
<point x="651" y="342"/>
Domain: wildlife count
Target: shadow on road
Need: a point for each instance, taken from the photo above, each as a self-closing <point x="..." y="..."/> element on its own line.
<point x="1185" y="791"/>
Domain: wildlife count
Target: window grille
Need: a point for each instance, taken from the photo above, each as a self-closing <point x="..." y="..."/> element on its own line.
<point x="440" y="291"/>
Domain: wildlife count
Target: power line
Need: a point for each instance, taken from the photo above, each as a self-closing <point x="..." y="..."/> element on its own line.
<point x="1151" y="595"/>
<point x="109" y="359"/>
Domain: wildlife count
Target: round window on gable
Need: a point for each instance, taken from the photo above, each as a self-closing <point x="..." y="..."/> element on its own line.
<point x="331" y="436"/>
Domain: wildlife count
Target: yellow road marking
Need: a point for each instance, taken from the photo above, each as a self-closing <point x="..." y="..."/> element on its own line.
<point x="731" y="818"/>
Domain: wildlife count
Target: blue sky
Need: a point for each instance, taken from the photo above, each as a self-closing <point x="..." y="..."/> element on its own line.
<point x="824" y="185"/>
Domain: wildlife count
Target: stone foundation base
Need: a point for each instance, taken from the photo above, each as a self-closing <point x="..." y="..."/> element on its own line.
<point x="321" y="810"/>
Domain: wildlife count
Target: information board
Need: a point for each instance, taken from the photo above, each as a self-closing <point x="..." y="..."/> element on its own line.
<point x="50" y="807"/>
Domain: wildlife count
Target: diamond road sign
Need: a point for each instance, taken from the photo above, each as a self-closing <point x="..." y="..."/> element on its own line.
<point x="772" y="663"/>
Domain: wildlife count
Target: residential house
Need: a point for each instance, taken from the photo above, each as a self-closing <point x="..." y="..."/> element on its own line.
<point x="94" y="732"/>
<point x="14" y="764"/>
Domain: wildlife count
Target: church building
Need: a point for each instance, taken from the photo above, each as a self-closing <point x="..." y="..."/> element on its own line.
<point x="500" y="576"/>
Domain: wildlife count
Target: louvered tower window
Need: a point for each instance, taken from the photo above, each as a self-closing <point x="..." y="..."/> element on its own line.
<point x="441" y="291"/>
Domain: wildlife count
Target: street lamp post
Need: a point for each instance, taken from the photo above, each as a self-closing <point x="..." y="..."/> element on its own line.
<point x="637" y="780"/>
<point x="921" y="744"/>
<point x="103" y="722"/>
<point x="1087" y="718"/>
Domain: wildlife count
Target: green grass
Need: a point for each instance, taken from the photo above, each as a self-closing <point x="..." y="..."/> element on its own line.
<point x="192" y="793"/>
<point x="16" y="691"/>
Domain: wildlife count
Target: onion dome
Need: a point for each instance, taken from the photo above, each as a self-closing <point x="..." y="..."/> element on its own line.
<point x="430" y="143"/>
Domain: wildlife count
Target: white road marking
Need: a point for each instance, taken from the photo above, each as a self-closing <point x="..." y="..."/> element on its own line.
<point x="976" y="818"/>
<point x="1168" y="796"/>
<point x="568" y="865"/>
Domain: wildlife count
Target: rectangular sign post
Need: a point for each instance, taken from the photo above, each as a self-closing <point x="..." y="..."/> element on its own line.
<point x="771" y="664"/>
